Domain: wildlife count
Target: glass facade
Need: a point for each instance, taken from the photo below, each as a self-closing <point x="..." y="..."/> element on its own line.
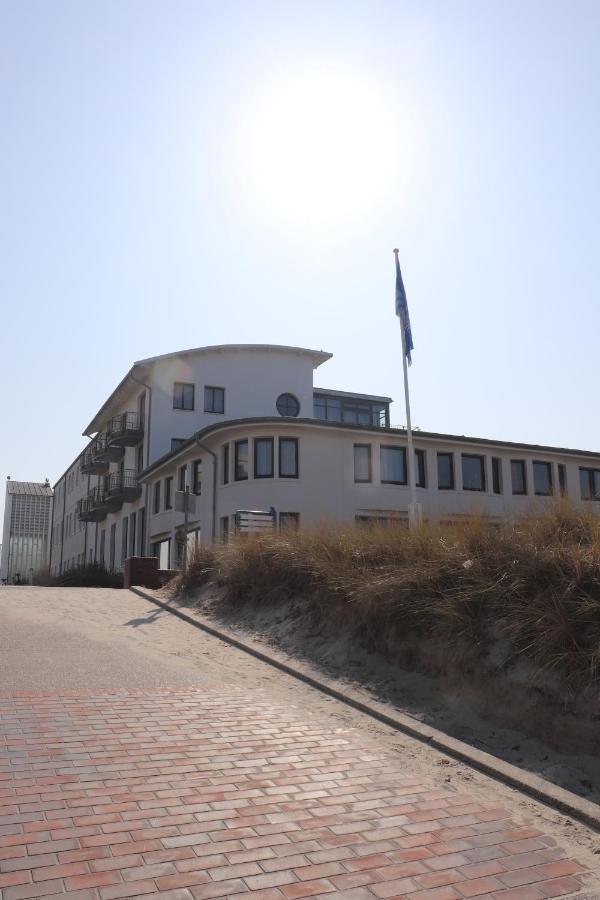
<point x="351" y="411"/>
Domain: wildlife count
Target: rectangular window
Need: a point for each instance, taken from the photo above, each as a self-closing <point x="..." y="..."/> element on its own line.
<point x="139" y="458"/>
<point x="288" y="457"/>
<point x="181" y="477"/>
<point x="224" y="529"/>
<point x="124" y="538"/>
<point x="445" y="465"/>
<point x="225" y="462"/>
<point x="562" y="479"/>
<point x="102" y="546"/>
<point x="169" y="493"/>
<point x="197" y="477"/>
<point x="420" y="469"/>
<point x="289" y="520"/>
<point x="113" y="539"/>
<point x="542" y="478"/>
<point x="214" y="399"/>
<point x="176" y="443"/>
<point x="183" y="396"/>
<point x="496" y="475"/>
<point x="393" y="465"/>
<point x="589" y="481"/>
<point x="141" y="408"/>
<point x="518" y="476"/>
<point x="132" y="524"/>
<point x="241" y="460"/>
<point x="263" y="458"/>
<point x="142" y="530"/>
<point x="473" y="472"/>
<point x="362" y="462"/>
<point x="156" y="501"/>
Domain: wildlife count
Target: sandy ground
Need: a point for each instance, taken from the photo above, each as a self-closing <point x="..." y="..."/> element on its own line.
<point x="53" y="638"/>
<point x="427" y="699"/>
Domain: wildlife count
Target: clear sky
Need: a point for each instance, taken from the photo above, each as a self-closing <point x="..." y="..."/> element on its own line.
<point x="177" y="173"/>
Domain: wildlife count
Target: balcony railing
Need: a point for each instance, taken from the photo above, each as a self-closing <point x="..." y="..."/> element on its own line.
<point x="121" y="487"/>
<point x="92" y="508"/>
<point x="104" y="453"/>
<point x="125" y="430"/>
<point x="93" y="462"/>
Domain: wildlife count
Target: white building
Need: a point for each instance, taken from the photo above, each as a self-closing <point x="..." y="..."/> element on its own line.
<point x="26" y="528"/>
<point x="246" y="429"/>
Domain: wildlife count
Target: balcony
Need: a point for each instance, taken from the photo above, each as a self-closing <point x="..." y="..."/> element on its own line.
<point x="121" y="487"/>
<point x="93" y="507"/>
<point x="125" y="430"/>
<point x="104" y="453"/>
<point x="91" y="463"/>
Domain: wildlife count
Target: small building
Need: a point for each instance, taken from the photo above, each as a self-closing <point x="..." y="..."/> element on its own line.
<point x="26" y="531"/>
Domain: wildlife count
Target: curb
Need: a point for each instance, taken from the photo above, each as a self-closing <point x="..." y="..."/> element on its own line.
<point x="533" y="785"/>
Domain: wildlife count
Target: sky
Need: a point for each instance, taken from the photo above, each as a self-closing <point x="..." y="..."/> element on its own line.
<point x="180" y="173"/>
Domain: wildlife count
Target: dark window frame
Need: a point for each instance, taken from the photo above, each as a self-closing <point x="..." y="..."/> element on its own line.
<point x="181" y="477"/>
<point x="156" y="498"/>
<point x="593" y="477"/>
<point x="225" y="462"/>
<point x="168" y="492"/>
<point x="562" y="479"/>
<point x="176" y="443"/>
<point x="236" y="460"/>
<point x="212" y="391"/>
<point x="478" y="456"/>
<point x="523" y="465"/>
<point x="420" y="468"/>
<point x="179" y="402"/>
<point x="496" y="475"/>
<point x="266" y="440"/>
<point x="284" y="398"/>
<point x="294" y="441"/>
<point x="197" y="477"/>
<point x="369" y="450"/>
<point x="548" y="466"/>
<point x="402" y="451"/>
<point x="450" y="455"/>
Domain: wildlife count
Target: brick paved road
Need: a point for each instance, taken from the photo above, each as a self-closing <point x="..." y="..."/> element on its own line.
<point x="184" y="768"/>
<point x="222" y="791"/>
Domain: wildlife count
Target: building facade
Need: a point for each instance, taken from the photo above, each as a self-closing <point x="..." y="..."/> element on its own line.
<point x="243" y="427"/>
<point x="27" y="514"/>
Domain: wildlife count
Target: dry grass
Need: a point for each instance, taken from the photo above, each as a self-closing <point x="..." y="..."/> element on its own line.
<point x="473" y="597"/>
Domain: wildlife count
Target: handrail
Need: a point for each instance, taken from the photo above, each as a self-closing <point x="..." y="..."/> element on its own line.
<point x="127" y="421"/>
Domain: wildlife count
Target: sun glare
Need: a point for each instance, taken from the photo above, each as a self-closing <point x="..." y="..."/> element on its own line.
<point x="320" y="150"/>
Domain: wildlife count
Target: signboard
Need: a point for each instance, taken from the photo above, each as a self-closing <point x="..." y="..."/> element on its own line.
<point x="255" y="520"/>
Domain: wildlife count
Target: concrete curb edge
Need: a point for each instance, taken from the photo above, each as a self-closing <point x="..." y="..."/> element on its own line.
<point x="533" y="785"/>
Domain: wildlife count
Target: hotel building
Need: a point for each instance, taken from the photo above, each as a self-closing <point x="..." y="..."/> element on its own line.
<point x="244" y="428"/>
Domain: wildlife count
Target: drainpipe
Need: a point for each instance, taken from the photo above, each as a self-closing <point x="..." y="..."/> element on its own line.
<point x="147" y="430"/>
<point x="51" y="538"/>
<point x="214" y="486"/>
<point x="62" y="525"/>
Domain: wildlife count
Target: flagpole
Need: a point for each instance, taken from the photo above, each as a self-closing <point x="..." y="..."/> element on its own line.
<point x="414" y="516"/>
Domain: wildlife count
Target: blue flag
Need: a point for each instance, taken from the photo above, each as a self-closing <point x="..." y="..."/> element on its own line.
<point x="402" y="311"/>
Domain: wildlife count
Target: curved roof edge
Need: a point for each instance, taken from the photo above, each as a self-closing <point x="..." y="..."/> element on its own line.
<point x="361" y="429"/>
<point x="318" y="357"/>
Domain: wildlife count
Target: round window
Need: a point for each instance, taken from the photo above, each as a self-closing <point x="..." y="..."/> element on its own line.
<point x="287" y="405"/>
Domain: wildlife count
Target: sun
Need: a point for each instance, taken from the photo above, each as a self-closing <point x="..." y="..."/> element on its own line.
<point x="320" y="149"/>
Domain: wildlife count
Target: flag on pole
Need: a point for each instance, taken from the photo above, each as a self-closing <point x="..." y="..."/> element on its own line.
<point x="402" y="311"/>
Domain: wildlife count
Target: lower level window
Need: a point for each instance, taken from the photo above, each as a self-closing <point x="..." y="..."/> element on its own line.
<point x="518" y="476"/>
<point x="263" y="458"/>
<point x="473" y="472"/>
<point x="241" y="460"/>
<point x="288" y="457"/>
<point x="392" y="465"/>
<point x="589" y="481"/>
<point x="224" y="529"/>
<point x="362" y="462"/>
<point x="542" y="478"/>
<point x="445" y="464"/>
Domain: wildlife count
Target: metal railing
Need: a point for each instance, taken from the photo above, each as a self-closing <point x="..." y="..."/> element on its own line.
<point x="123" y="423"/>
<point x="118" y="482"/>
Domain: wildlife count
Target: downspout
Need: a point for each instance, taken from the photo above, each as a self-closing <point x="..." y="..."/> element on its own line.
<point x="149" y="421"/>
<point x="51" y="538"/>
<point x="62" y="526"/>
<point x="214" y="486"/>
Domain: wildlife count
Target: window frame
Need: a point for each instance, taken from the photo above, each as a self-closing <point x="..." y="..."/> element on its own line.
<point x="481" y="458"/>
<point x="452" y="485"/>
<point x="284" y="397"/>
<point x="420" y="460"/>
<point x="496" y="475"/>
<point x="562" y="479"/>
<point x="226" y="462"/>
<point x="236" y="454"/>
<point x="183" y="385"/>
<point x="197" y="482"/>
<point x="404" y="457"/>
<point x="168" y="493"/>
<point x="255" y="442"/>
<point x="208" y="407"/>
<point x="591" y="476"/>
<point x="523" y="464"/>
<point x="292" y="440"/>
<point x="369" y="449"/>
<point x="156" y="498"/>
<point x="548" y="465"/>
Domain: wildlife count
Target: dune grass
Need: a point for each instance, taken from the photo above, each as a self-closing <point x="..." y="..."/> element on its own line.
<point x="470" y="596"/>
